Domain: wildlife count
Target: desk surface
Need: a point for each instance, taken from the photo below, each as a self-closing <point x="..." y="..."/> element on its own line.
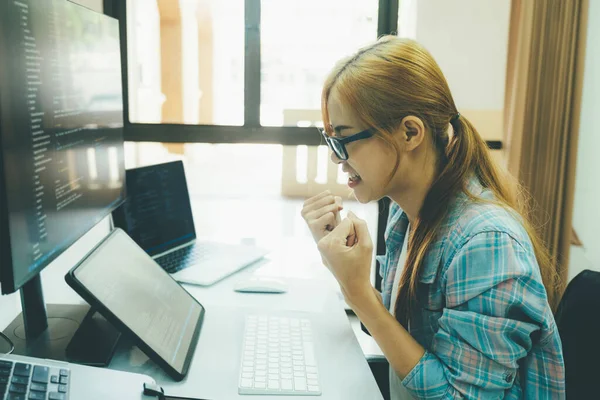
<point x="312" y="293"/>
<point x="214" y="371"/>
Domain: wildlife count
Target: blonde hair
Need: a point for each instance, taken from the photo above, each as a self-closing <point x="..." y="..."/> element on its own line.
<point x="394" y="78"/>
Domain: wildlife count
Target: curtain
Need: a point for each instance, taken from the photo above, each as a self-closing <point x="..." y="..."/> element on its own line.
<point x="542" y="108"/>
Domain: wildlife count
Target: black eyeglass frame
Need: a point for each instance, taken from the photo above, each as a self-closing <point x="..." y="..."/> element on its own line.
<point x="338" y="145"/>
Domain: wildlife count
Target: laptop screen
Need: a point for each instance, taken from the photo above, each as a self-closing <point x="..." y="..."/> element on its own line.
<point x="157" y="213"/>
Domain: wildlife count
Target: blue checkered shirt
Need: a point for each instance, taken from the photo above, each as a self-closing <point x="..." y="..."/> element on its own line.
<point x="483" y="315"/>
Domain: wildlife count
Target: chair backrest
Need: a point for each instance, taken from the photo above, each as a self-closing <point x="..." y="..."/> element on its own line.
<point x="578" y="321"/>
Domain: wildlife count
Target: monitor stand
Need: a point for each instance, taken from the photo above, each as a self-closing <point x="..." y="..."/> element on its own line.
<point x="72" y="333"/>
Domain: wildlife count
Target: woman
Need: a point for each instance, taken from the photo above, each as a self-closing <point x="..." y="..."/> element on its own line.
<point x="465" y="309"/>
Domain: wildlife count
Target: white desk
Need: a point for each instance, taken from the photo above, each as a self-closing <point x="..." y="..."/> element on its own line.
<point x="214" y="371"/>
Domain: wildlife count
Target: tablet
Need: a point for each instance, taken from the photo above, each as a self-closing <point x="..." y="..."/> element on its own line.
<point x="126" y="286"/>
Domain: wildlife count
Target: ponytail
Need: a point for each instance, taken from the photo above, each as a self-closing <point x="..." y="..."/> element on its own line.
<point x="467" y="154"/>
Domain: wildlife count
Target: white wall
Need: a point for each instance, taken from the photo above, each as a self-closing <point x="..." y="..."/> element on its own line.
<point x="586" y="214"/>
<point x="469" y="40"/>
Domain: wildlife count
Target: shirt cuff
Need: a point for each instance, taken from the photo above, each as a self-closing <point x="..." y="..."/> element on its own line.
<point x="416" y="369"/>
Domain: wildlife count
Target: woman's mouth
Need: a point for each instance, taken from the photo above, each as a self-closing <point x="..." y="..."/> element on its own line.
<point x="353" y="180"/>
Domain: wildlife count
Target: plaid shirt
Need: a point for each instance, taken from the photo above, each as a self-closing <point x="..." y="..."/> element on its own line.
<point x="483" y="315"/>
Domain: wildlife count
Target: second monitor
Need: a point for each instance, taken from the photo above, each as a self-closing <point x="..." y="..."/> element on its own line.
<point x="157" y="214"/>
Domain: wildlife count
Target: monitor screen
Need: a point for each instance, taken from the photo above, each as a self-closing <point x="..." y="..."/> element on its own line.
<point x="61" y="130"/>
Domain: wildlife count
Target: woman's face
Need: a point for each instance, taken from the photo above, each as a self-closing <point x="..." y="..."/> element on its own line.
<point x="371" y="161"/>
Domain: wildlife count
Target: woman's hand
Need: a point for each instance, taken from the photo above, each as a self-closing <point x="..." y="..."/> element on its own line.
<point x="348" y="252"/>
<point x="322" y="214"/>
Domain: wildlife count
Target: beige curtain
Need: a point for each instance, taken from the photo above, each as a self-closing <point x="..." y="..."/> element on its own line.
<point x="543" y="94"/>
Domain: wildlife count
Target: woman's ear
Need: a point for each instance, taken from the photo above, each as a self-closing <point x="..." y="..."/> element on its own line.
<point x="412" y="131"/>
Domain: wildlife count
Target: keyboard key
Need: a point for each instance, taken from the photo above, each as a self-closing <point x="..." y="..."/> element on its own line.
<point x="309" y="355"/>
<point x="300" y="384"/>
<point x="22" y="369"/>
<point x="37" y="396"/>
<point x="286" y="384"/>
<point x="39" y="387"/>
<point x="16" y="388"/>
<point x="314" y="389"/>
<point x="5" y="371"/>
<point x="4" y="380"/>
<point x="57" y="396"/>
<point x="16" y="396"/>
<point x="54" y="379"/>
<point x="6" y="364"/>
<point x="273" y="384"/>
<point x="312" y="382"/>
<point x="246" y="383"/>
<point x="64" y="372"/>
<point x="20" y="380"/>
<point x="260" y="385"/>
<point x="40" y="374"/>
<point x="64" y="380"/>
<point x="62" y="388"/>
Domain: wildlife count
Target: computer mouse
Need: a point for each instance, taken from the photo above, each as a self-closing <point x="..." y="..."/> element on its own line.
<point x="260" y="285"/>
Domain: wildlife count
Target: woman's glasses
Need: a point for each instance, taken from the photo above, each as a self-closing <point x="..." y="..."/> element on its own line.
<point x="338" y="145"/>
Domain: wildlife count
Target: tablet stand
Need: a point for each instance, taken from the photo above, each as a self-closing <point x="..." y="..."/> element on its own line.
<point x="72" y="333"/>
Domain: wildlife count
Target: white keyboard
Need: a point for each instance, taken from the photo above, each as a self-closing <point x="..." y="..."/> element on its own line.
<point x="278" y="357"/>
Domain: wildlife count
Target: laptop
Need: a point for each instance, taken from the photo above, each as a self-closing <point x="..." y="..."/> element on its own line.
<point x="33" y="378"/>
<point x="157" y="215"/>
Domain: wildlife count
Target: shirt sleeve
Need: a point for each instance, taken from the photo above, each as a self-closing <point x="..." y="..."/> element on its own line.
<point x="496" y="306"/>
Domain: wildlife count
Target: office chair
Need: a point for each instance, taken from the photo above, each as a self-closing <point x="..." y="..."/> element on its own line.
<point x="578" y="321"/>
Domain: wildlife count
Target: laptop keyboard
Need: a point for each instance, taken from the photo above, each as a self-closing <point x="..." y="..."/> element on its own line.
<point x="23" y="381"/>
<point x="183" y="258"/>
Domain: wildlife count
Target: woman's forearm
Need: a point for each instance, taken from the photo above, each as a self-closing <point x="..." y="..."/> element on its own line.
<point x="401" y="350"/>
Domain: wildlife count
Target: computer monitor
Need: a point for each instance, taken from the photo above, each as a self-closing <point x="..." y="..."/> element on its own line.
<point x="61" y="139"/>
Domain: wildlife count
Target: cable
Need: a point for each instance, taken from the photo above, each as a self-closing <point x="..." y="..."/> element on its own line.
<point x="11" y="344"/>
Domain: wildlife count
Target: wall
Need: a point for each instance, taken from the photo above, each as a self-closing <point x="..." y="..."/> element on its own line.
<point x="586" y="213"/>
<point x="10" y="305"/>
<point x="469" y="40"/>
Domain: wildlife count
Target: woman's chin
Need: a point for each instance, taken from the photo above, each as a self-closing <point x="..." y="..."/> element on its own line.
<point x="361" y="197"/>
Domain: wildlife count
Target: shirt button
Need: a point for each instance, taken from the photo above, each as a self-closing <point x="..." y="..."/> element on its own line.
<point x="508" y="378"/>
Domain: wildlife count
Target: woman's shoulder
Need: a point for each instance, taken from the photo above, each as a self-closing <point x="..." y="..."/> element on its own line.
<point x="470" y="217"/>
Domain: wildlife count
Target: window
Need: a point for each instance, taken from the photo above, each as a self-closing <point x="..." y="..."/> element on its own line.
<point x="300" y="41"/>
<point x="186" y="61"/>
<point x="237" y="71"/>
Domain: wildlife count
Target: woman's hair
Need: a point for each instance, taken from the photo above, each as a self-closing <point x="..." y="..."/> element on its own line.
<point x="394" y="78"/>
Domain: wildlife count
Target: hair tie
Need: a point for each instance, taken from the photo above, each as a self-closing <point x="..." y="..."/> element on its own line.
<point x="455" y="118"/>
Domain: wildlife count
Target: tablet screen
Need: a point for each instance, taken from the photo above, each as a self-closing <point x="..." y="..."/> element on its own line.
<point x="143" y="297"/>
